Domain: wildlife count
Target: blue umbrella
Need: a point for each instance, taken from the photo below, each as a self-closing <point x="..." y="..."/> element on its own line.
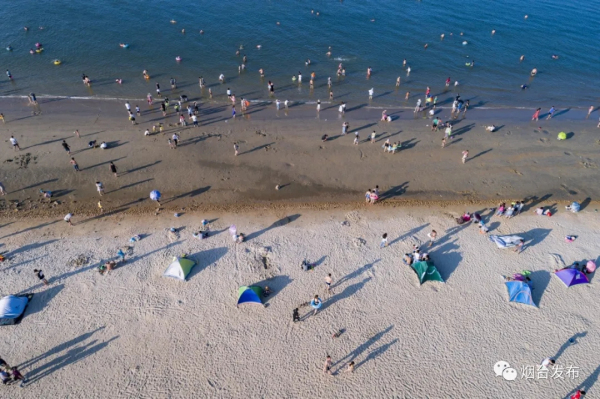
<point x="155" y="195"/>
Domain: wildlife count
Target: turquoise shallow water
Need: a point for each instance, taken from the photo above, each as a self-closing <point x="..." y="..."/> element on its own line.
<point x="86" y="37"/>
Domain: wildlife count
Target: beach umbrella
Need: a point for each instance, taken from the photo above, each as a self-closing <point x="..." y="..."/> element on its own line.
<point x="155" y="195"/>
<point x="571" y="277"/>
<point x="562" y="136"/>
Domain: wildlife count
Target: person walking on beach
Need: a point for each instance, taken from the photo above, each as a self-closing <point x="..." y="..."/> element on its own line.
<point x="128" y="106"/>
<point x="113" y="169"/>
<point x="327" y="366"/>
<point x="578" y="395"/>
<point x="15" y="143"/>
<point x="418" y="106"/>
<point x="356" y="138"/>
<point x="590" y="111"/>
<point x="345" y="127"/>
<point x="77" y="134"/>
<point x="296" y="315"/>
<point x="175" y="139"/>
<point x="41" y="276"/>
<point x="2" y="118"/>
<point x="2" y="189"/>
<point x="75" y="165"/>
<point x="316" y="304"/>
<point x="373" y="135"/>
<point x="100" y="206"/>
<point x="17" y="376"/>
<point x="328" y="281"/>
<point x="466" y="105"/>
<point x="233" y="112"/>
<point x="318" y="106"/>
<point x="236" y="148"/>
<point x="384" y="241"/>
<point x="350" y="368"/>
<point x="548" y="362"/>
<point x="100" y="188"/>
<point x="66" y="147"/>
<point x="465" y="155"/>
<point x="67" y="218"/>
<point x="551" y="112"/>
<point x="536" y="115"/>
<point x="432" y="236"/>
<point x="519" y="247"/>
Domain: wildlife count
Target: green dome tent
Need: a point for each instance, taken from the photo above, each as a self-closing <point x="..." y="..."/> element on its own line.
<point x="180" y="268"/>
<point x="250" y="294"/>
<point x="426" y="271"/>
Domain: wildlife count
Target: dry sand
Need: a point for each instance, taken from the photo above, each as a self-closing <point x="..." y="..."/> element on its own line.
<point x="136" y="334"/>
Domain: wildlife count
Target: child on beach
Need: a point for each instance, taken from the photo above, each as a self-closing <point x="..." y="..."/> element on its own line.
<point x="351" y="366"/>
<point x="296" y="315"/>
<point x="41" y="276"/>
<point x="328" y="281"/>
<point x="316" y="304"/>
<point x="465" y="155"/>
<point x="327" y="366"/>
<point x="432" y="236"/>
<point x="384" y="241"/>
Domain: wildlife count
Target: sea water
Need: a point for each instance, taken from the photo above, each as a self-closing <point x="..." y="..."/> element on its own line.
<point x="380" y="34"/>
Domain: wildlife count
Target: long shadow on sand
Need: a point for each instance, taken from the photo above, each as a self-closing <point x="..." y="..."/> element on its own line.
<point x="376" y="352"/>
<point x="41" y="299"/>
<point x="276" y="284"/>
<point x="540" y="280"/>
<point x="394" y="192"/>
<point x="587" y="384"/>
<point x="363" y="347"/>
<point x="354" y="273"/>
<point x="408" y="234"/>
<point x="568" y="343"/>
<point x="446" y="258"/>
<point x="35" y="185"/>
<point x="206" y="258"/>
<point x="192" y="193"/>
<point x="279" y="223"/>
<point x="346" y="293"/>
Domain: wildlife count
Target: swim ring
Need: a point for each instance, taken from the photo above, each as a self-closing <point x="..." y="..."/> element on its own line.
<point x="124" y="45"/>
<point x="465" y="43"/>
<point x="57" y="62"/>
<point x="316" y="305"/>
<point x="9" y="48"/>
<point x="39" y="50"/>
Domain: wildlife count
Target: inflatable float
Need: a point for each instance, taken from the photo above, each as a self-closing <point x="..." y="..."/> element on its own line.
<point x="57" y="62"/>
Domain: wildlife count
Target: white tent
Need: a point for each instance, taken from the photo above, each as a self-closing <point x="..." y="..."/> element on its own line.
<point x="11" y="308"/>
<point x="180" y="268"/>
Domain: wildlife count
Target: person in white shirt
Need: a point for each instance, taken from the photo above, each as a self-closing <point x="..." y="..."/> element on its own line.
<point x="100" y="188"/>
<point x="371" y="91"/>
<point x="548" y="362"/>
<point x="127" y="105"/>
<point x="14" y="143"/>
<point x="67" y="218"/>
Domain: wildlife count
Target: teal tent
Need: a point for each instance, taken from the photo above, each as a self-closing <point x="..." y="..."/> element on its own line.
<point x="180" y="268"/>
<point x="251" y="294"/>
<point x="426" y="271"/>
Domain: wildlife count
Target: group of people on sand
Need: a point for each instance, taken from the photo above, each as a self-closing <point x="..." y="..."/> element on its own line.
<point x="415" y="256"/>
<point x="372" y="195"/>
<point x="512" y="210"/>
<point x="10" y="374"/>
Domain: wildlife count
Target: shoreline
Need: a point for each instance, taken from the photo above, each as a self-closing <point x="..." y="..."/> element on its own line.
<point x="222" y="100"/>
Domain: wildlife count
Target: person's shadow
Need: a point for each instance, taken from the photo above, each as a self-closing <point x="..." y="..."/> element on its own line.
<point x="281" y="222"/>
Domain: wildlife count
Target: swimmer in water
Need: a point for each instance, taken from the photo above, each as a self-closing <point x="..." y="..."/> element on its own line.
<point x="426" y="45"/>
<point x="534" y="72"/>
<point x="119" y="81"/>
<point x="524" y="87"/>
<point x="493" y="31"/>
<point x="442" y="36"/>
<point x="404" y="63"/>
<point x="522" y="58"/>
<point x="262" y="73"/>
<point x="25" y="28"/>
<point x="398" y="81"/>
<point x="201" y="32"/>
<point x="554" y="56"/>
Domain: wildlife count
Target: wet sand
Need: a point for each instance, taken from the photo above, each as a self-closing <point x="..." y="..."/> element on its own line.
<point x="278" y="147"/>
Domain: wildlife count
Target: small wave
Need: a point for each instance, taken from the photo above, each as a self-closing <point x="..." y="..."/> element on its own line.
<point x="341" y="59"/>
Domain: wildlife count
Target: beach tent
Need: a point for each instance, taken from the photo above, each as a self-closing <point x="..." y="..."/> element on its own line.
<point x="505" y="241"/>
<point x="426" y="271"/>
<point x="12" y="308"/>
<point x="251" y="294"/>
<point x="520" y="292"/>
<point x="180" y="268"/>
<point x="571" y="277"/>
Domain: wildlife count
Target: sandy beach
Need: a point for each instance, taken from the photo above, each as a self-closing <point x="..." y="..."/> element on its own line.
<point x="522" y="159"/>
<point x="134" y="333"/>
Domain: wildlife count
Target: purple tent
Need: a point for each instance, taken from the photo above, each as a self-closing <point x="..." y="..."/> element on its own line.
<point x="572" y="277"/>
